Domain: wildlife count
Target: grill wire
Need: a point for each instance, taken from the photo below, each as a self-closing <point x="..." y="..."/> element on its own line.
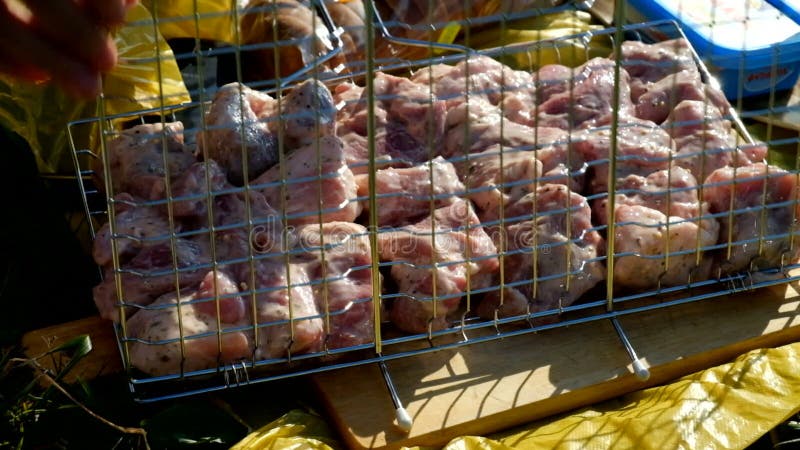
<point x="465" y="256"/>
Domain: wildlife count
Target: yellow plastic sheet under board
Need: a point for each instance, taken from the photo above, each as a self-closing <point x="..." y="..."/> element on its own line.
<point x="729" y="406"/>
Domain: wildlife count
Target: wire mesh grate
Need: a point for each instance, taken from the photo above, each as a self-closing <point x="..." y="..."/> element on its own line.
<point x="356" y="211"/>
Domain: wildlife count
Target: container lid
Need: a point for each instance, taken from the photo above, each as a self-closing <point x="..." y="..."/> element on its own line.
<point x="724" y="31"/>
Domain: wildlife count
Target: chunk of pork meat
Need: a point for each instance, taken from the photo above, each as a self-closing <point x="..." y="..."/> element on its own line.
<point x="136" y="160"/>
<point x="552" y="79"/>
<point x="412" y="105"/>
<point x="455" y="248"/>
<point x="194" y="185"/>
<point x="704" y="141"/>
<point x="538" y="240"/>
<point x="153" y="272"/>
<point x="477" y="125"/>
<point x="653" y="249"/>
<point x="661" y="97"/>
<point x="758" y="209"/>
<point x="239" y="124"/>
<point x="399" y="101"/>
<point x="167" y="339"/>
<point x="590" y="101"/>
<point x="394" y="147"/>
<point x="319" y="184"/>
<point x="341" y="276"/>
<point x="494" y="180"/>
<point x="409" y="121"/>
<point x="671" y="191"/>
<point x="308" y="113"/>
<point x="286" y="310"/>
<point x="649" y="63"/>
<point x="404" y="195"/>
<point x="642" y="148"/>
<point x="483" y="77"/>
<point x="143" y="224"/>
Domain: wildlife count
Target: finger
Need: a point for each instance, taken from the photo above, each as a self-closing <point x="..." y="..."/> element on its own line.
<point x="65" y="24"/>
<point x="35" y="59"/>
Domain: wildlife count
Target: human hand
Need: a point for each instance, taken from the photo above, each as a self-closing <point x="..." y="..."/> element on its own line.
<point x="66" y="42"/>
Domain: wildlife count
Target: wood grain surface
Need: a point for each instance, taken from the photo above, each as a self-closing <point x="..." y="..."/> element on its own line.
<point x="479" y="389"/>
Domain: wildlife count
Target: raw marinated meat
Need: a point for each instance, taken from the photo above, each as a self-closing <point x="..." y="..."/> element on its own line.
<point x="704" y="141"/>
<point x="143" y="224"/>
<point x="156" y="332"/>
<point x="405" y="195"/>
<point x="319" y="186"/>
<point x="341" y="276"/>
<point x="649" y="63"/>
<point x="672" y="191"/>
<point x="136" y="160"/>
<point x="356" y="152"/>
<point x="653" y="249"/>
<point x="191" y="189"/>
<point x="482" y="77"/>
<point x="153" y="272"/>
<point x="590" y="101"/>
<point x="238" y="124"/>
<point x="477" y="125"/>
<point x="757" y="206"/>
<point x="552" y="79"/>
<point x="498" y="177"/>
<point x="661" y="97"/>
<point x="308" y="113"/>
<point x="552" y="253"/>
<point x="642" y="148"/>
<point x="561" y="164"/>
<point x="406" y="111"/>
<point x="437" y="259"/>
<point x="286" y="310"/>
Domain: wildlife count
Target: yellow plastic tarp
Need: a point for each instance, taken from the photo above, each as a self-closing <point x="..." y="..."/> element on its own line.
<point x="729" y="406"/>
<point x="204" y="19"/>
<point x="146" y="71"/>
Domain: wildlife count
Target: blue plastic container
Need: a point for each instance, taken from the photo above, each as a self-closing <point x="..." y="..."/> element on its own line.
<point x="789" y="7"/>
<point x="751" y="46"/>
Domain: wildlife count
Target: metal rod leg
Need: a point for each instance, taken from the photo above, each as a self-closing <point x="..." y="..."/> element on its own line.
<point x="404" y="421"/>
<point x="639" y="368"/>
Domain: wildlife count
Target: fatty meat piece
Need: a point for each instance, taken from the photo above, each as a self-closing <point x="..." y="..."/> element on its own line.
<point x="340" y="273"/>
<point x="495" y="180"/>
<point x="758" y="211"/>
<point x="156" y="332"/>
<point x="431" y="256"/>
<point x="319" y="185"/>
<point x="653" y="249"/>
<point x="642" y="148"/>
<point x="144" y="224"/>
<point x="308" y="113"/>
<point x="704" y="141"/>
<point x="154" y="271"/>
<point x="548" y="263"/>
<point x="649" y="63"/>
<point x="287" y="314"/>
<point x="405" y="195"/>
<point x="136" y="160"/>
<point x="480" y="77"/>
<point x="590" y="101"/>
<point x="661" y="97"/>
<point x="238" y="124"/>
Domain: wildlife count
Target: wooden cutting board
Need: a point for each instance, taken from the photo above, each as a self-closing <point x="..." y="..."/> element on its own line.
<point x="479" y="389"/>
